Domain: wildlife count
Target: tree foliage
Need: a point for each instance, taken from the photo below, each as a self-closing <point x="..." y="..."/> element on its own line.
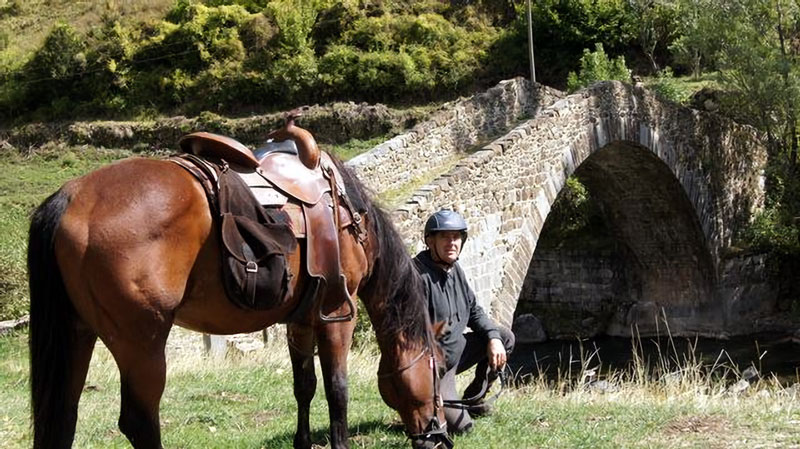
<point x="223" y="55"/>
<point x="596" y="66"/>
<point x="753" y="45"/>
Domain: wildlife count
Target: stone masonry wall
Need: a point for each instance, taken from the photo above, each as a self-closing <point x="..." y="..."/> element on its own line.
<point x="505" y="189"/>
<point x="457" y="127"/>
<point x="574" y="293"/>
<point x="584" y="293"/>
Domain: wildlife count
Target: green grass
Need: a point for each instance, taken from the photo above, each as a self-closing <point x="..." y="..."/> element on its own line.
<point x="354" y="147"/>
<point x="248" y="403"/>
<point x="680" y="89"/>
<point x="26" y="181"/>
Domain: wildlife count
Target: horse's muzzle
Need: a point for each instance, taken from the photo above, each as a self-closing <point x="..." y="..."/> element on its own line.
<point x="437" y="441"/>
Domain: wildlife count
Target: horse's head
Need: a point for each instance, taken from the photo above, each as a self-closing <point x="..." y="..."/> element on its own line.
<point x="408" y="380"/>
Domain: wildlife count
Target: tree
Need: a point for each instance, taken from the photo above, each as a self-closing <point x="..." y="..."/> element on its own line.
<point x="690" y="42"/>
<point x="656" y="28"/>
<point x="753" y="44"/>
<point x="597" y="66"/>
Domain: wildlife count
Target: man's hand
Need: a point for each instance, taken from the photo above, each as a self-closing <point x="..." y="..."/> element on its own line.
<point x="497" y="354"/>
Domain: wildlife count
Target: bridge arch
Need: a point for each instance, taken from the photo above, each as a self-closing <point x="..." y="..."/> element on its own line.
<point x="506" y="190"/>
<point x="649" y="254"/>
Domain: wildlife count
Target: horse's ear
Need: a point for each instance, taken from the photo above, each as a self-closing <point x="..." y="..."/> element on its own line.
<point x="439" y="328"/>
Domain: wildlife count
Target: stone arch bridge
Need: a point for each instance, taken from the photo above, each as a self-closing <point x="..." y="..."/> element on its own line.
<point x="674" y="185"/>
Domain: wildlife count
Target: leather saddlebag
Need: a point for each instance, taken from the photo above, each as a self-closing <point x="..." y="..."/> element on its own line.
<point x="254" y="248"/>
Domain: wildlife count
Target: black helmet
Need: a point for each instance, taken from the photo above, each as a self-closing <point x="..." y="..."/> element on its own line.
<point x="446" y="220"/>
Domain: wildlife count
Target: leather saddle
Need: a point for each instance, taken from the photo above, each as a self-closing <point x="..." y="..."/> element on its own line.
<point x="289" y="173"/>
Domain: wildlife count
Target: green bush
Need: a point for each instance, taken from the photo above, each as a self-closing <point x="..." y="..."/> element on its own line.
<point x="596" y="66"/>
<point x="55" y="67"/>
<point x="562" y="29"/>
<point x="338" y="69"/>
<point x="258" y="38"/>
<point x="769" y="233"/>
<point x="294" y="79"/>
<point x="667" y="87"/>
<point x="229" y="55"/>
<point x="295" y="20"/>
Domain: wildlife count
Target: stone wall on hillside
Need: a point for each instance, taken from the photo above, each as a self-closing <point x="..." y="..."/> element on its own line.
<point x="334" y="123"/>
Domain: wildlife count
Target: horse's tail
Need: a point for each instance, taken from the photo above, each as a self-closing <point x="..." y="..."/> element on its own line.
<point x="51" y="319"/>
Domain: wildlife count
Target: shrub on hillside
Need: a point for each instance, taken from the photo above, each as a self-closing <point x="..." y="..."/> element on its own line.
<point x="293" y="79"/>
<point x="220" y="56"/>
<point x="258" y="38"/>
<point x="55" y="67"/>
<point x="596" y="66"/>
<point x="666" y="86"/>
<point x="295" y="20"/>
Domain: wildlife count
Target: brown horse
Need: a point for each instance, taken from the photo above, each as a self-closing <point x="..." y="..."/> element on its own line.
<point x="126" y="251"/>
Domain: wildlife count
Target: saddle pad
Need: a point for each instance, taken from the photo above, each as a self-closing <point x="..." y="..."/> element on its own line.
<point x="263" y="190"/>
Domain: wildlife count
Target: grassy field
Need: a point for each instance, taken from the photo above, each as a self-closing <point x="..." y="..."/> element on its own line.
<point x="247" y="402"/>
<point x="26" y="181"/>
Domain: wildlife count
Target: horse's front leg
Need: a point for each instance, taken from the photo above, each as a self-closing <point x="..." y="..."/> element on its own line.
<point x="334" y="341"/>
<point x="301" y="350"/>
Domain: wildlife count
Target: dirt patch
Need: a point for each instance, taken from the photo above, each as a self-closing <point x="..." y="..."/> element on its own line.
<point x="708" y="432"/>
<point x="697" y="424"/>
<point x="262" y="417"/>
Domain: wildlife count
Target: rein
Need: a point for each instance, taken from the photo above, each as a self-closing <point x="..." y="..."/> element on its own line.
<point x="434" y="426"/>
<point x="475" y="401"/>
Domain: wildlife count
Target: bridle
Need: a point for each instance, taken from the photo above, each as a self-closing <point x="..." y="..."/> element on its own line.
<point x="434" y="426"/>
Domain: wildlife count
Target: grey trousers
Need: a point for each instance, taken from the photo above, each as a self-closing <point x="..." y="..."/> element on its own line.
<point x="474" y="354"/>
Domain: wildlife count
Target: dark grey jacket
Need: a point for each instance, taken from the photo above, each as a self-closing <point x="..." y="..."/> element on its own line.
<point x="450" y="299"/>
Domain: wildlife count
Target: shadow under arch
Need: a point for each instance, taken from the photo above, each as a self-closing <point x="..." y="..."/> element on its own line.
<point x="655" y="263"/>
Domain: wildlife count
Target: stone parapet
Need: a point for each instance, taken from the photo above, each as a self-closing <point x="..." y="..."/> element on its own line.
<point x="456" y="128"/>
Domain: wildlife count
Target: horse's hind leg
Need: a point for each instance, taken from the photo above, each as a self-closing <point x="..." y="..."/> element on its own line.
<point x="143" y="371"/>
<point x="334" y="341"/>
<point x="301" y="351"/>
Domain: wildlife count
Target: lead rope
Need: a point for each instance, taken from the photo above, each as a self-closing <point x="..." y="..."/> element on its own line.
<point x="475" y="401"/>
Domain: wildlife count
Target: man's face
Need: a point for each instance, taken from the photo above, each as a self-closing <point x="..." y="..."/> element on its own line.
<point x="446" y="245"/>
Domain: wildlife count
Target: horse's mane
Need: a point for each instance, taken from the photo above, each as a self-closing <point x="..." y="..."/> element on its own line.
<point x="394" y="279"/>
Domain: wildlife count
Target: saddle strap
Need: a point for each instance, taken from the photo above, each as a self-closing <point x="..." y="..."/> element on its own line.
<point x="204" y="173"/>
<point x="325" y="262"/>
<point x="339" y="191"/>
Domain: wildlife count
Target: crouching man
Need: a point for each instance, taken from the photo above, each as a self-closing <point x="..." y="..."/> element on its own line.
<point x="450" y="299"/>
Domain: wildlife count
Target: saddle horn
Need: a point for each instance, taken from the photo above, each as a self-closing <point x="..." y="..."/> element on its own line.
<point x="307" y="148"/>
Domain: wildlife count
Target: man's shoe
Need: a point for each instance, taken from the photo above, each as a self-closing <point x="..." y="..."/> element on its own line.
<point x="480" y="409"/>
